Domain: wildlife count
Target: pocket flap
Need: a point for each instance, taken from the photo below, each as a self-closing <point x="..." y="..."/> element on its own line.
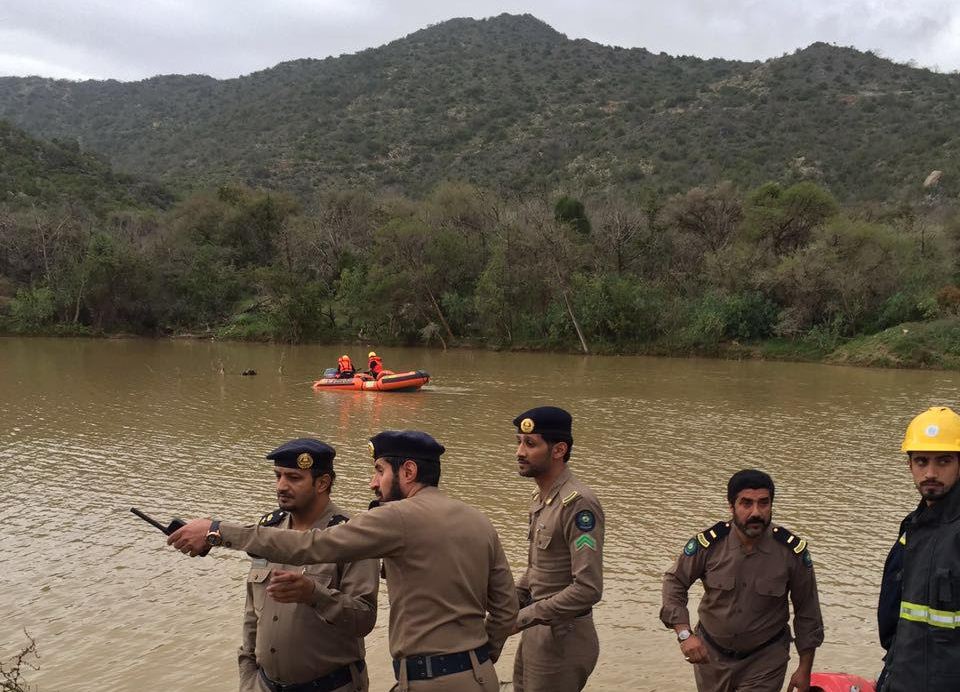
<point x="258" y="575"/>
<point x="723" y="582"/>
<point x="771" y="587"/>
<point x="543" y="539"/>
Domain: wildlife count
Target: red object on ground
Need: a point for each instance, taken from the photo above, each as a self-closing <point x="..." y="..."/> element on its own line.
<point x="839" y="682"/>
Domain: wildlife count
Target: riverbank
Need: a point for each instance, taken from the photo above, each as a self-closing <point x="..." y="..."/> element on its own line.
<point x="912" y="345"/>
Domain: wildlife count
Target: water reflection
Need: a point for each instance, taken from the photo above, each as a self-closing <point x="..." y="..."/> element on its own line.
<point x="89" y="428"/>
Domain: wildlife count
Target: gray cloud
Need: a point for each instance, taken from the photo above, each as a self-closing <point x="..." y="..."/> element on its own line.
<point x="226" y="38"/>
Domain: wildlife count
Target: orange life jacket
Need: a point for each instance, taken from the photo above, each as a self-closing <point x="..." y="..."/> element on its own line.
<point x="375" y="366"/>
<point x="344" y="364"/>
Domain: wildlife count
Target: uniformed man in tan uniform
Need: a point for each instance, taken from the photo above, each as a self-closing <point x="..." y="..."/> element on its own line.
<point x="742" y="643"/>
<point x="452" y="598"/>
<point x="564" y="578"/>
<point x="303" y="628"/>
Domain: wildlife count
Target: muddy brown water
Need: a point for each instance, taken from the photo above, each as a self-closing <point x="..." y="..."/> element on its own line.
<point x="89" y="428"/>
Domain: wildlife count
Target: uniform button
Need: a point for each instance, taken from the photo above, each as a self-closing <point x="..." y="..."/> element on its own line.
<point x="275" y="618"/>
<point x="272" y="650"/>
<point x="228" y="544"/>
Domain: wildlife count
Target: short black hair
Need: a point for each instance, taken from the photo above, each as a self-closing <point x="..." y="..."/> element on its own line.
<point x="428" y="472"/>
<point x="553" y="438"/>
<point x="748" y="479"/>
<point x="317" y="471"/>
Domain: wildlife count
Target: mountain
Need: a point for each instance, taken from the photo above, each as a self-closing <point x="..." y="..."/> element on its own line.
<point x="34" y="172"/>
<point x="510" y="103"/>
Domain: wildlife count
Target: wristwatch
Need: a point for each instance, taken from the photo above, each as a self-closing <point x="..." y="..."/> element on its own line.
<point x="682" y="635"/>
<point x="214" y="538"/>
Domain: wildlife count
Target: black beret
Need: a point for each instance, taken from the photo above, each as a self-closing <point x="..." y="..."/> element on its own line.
<point x="545" y="419"/>
<point x="408" y="444"/>
<point x="304" y="453"/>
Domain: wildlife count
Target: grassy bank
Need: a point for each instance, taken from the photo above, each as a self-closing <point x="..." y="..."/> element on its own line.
<point x="921" y="345"/>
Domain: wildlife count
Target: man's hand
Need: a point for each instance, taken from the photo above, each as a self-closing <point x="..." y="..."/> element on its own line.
<point x="290" y="587"/>
<point x="694" y="650"/>
<point x="799" y="681"/>
<point x="192" y="538"/>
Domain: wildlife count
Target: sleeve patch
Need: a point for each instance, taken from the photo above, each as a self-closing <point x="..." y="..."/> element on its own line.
<point x="691" y="547"/>
<point x="585" y="541"/>
<point x="585" y="520"/>
<point x="807" y="560"/>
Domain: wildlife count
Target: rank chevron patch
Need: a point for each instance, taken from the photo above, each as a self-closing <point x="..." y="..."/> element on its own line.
<point x="585" y="541"/>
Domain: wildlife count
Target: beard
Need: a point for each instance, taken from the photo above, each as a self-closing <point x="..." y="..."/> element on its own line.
<point x="528" y="470"/>
<point x="753" y="527"/>
<point x="393" y="494"/>
<point x="933" y="491"/>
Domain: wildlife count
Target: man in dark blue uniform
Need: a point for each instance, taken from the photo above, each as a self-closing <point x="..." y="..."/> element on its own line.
<point x="924" y="654"/>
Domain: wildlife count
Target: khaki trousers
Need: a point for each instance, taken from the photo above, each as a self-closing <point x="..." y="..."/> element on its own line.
<point x="764" y="671"/>
<point x="556" y="658"/>
<point x="483" y="678"/>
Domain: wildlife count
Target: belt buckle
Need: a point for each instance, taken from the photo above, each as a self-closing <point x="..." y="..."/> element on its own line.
<point x="428" y="663"/>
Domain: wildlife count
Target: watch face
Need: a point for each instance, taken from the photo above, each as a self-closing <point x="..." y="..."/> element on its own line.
<point x="683" y="635"/>
<point x="213" y="538"/>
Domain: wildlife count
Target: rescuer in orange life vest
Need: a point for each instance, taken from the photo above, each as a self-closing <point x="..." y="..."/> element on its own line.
<point x="345" y="367"/>
<point x="375" y="364"/>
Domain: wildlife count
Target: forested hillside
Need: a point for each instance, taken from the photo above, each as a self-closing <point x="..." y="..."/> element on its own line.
<point x="511" y="105"/>
<point x="493" y="183"/>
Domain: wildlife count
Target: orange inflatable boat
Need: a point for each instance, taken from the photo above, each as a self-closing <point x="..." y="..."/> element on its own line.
<point x="362" y="382"/>
<point x="839" y="682"/>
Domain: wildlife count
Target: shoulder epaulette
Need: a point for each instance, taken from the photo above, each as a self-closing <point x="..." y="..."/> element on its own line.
<point x="708" y="538"/>
<point x="796" y="545"/>
<point x="337" y="519"/>
<point x="570" y="498"/>
<point x="272" y="518"/>
<point x="536" y="491"/>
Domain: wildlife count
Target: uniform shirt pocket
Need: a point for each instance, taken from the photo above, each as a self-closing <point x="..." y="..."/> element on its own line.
<point x="714" y="581"/>
<point x="258" y="586"/>
<point x="766" y="586"/>
<point x="325" y="575"/>
<point x="543" y="539"/>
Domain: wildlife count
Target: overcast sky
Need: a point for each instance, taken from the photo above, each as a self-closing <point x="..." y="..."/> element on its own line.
<point x="131" y="39"/>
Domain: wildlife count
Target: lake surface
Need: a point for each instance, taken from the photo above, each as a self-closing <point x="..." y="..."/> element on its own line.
<point x="90" y="428"/>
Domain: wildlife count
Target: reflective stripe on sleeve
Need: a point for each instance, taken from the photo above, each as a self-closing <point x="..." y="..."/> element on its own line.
<point x="948" y="619"/>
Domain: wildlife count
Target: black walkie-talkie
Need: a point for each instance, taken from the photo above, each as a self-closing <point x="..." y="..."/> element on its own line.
<point x="174" y="524"/>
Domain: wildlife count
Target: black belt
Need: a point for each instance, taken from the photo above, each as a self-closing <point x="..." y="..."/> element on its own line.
<point x="338" y="678"/>
<point x="740" y="655"/>
<point x="437" y="665"/>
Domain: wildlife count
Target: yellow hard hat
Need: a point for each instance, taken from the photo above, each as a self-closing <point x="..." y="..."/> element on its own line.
<point x="935" y="430"/>
<point x="371" y="354"/>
